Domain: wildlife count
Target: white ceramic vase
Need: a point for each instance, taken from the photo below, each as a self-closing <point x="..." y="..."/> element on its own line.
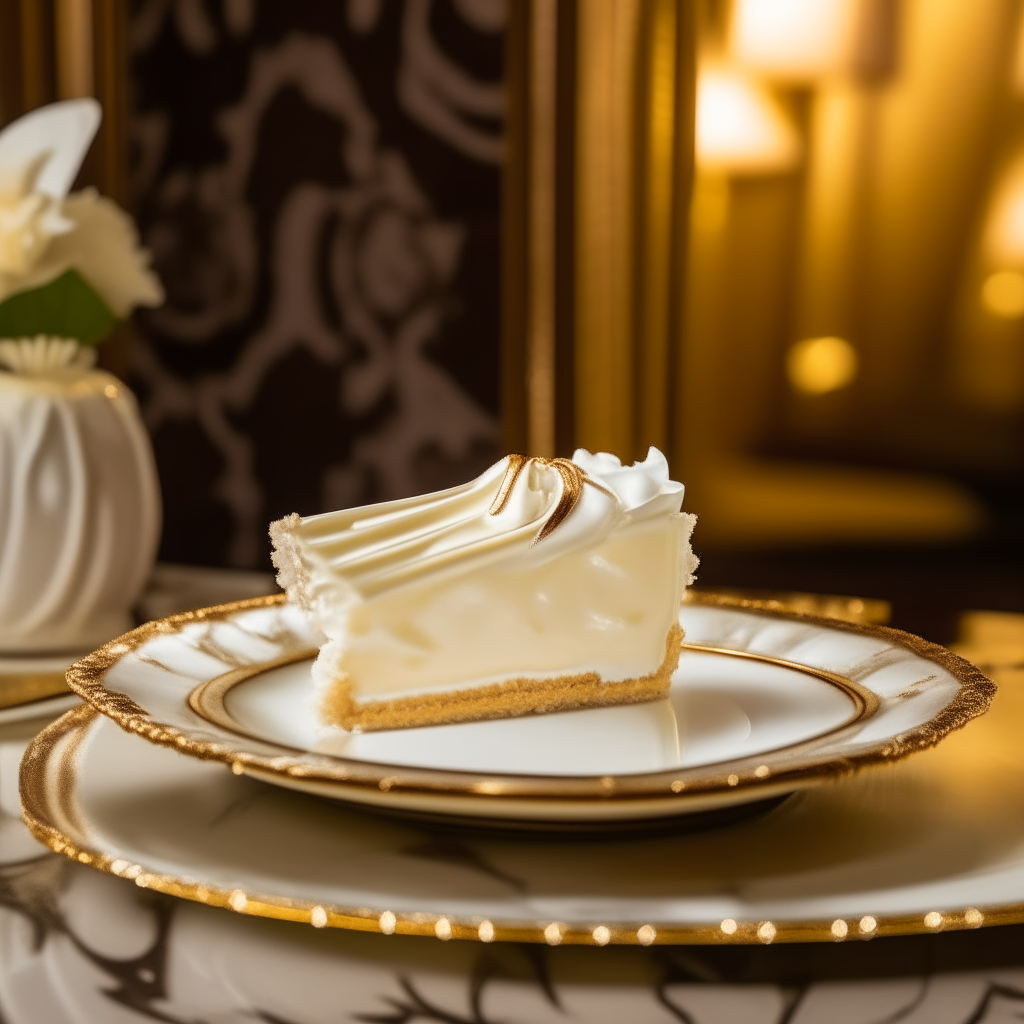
<point x="79" y="500"/>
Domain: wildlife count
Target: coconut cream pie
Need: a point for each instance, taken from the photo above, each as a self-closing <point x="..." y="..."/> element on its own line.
<point x="542" y="585"/>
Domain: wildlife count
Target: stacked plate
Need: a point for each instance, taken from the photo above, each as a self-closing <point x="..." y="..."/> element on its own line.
<point x="33" y="686"/>
<point x="197" y="768"/>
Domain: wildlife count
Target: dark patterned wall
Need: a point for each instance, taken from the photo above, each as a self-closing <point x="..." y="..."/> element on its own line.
<point x="318" y="181"/>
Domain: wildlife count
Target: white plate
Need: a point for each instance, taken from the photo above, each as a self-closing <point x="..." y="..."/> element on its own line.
<point x="764" y="703"/>
<point x="33" y="686"/>
<point x="934" y="842"/>
<point x="721" y="708"/>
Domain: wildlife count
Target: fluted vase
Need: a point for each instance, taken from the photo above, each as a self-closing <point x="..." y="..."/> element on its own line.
<point x="79" y="500"/>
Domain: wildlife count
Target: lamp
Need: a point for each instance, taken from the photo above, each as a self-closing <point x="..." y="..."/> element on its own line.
<point x="1002" y="292"/>
<point x="798" y="40"/>
<point x="741" y="128"/>
<point x="1004" y="232"/>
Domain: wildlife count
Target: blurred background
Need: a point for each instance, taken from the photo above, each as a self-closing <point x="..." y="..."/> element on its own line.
<point x="855" y="321"/>
<point x="781" y="239"/>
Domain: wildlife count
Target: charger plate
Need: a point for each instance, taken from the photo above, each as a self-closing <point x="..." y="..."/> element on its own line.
<point x="933" y="843"/>
<point x="764" y="703"/>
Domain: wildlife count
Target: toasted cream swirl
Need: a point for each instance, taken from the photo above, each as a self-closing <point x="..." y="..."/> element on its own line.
<point x="531" y="507"/>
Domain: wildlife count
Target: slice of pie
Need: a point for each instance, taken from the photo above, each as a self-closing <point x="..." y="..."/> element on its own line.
<point x="542" y="585"/>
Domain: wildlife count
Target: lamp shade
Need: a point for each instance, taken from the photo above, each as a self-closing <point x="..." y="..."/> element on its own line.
<point x="795" y="39"/>
<point x="741" y="128"/>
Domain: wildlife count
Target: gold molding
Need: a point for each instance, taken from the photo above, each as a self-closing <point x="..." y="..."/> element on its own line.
<point x="540" y="333"/>
<point x="63" y="49"/>
<point x="597" y="188"/>
<point x="75" y="57"/>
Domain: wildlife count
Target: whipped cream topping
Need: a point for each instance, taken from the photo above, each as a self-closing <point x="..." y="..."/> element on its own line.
<point x="373" y="548"/>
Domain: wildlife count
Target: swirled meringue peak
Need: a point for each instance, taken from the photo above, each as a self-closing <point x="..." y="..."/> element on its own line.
<point x="542" y="585"/>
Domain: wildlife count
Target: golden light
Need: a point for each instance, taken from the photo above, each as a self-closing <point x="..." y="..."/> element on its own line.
<point x="1018" y="62"/>
<point x="1002" y="294"/>
<point x="741" y="128"/>
<point x="794" y="39"/>
<point x="819" y="365"/>
<point x="1004" y="231"/>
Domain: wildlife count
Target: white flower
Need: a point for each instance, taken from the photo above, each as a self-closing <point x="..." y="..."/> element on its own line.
<point x="103" y="246"/>
<point x="28" y="221"/>
<point x="45" y="232"/>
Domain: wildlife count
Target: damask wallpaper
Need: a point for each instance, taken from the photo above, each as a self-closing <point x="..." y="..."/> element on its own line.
<point x="318" y="181"/>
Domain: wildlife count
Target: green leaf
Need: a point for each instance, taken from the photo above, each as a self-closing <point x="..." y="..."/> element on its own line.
<point x="67" y="307"/>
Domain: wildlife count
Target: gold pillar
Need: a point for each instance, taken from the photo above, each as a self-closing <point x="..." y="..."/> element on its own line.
<point x="597" y="193"/>
<point x="61" y="49"/>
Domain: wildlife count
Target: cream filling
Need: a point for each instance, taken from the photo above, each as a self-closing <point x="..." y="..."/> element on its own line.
<point x="606" y="611"/>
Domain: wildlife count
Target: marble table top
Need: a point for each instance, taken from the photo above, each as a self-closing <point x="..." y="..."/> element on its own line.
<point x="78" y="946"/>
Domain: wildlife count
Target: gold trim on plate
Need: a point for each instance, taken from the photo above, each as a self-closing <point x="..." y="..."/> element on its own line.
<point x="86" y="677"/>
<point x="208" y="699"/>
<point x="62" y="738"/>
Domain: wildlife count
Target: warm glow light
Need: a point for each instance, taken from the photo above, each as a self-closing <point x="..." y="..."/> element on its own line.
<point x="794" y="39"/>
<point x="1004" y="232"/>
<point x="818" y="365"/>
<point x="740" y="126"/>
<point x="1018" y="62"/>
<point x="709" y="205"/>
<point x="1003" y="294"/>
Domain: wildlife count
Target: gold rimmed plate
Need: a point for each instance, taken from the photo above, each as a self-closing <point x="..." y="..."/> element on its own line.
<point x="764" y="703"/>
<point x="932" y="843"/>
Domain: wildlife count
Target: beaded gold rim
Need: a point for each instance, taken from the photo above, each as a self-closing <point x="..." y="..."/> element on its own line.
<point x="694" y="785"/>
<point x="42" y="820"/>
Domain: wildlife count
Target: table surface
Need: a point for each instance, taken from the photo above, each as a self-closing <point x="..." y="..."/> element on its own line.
<point x="79" y="946"/>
